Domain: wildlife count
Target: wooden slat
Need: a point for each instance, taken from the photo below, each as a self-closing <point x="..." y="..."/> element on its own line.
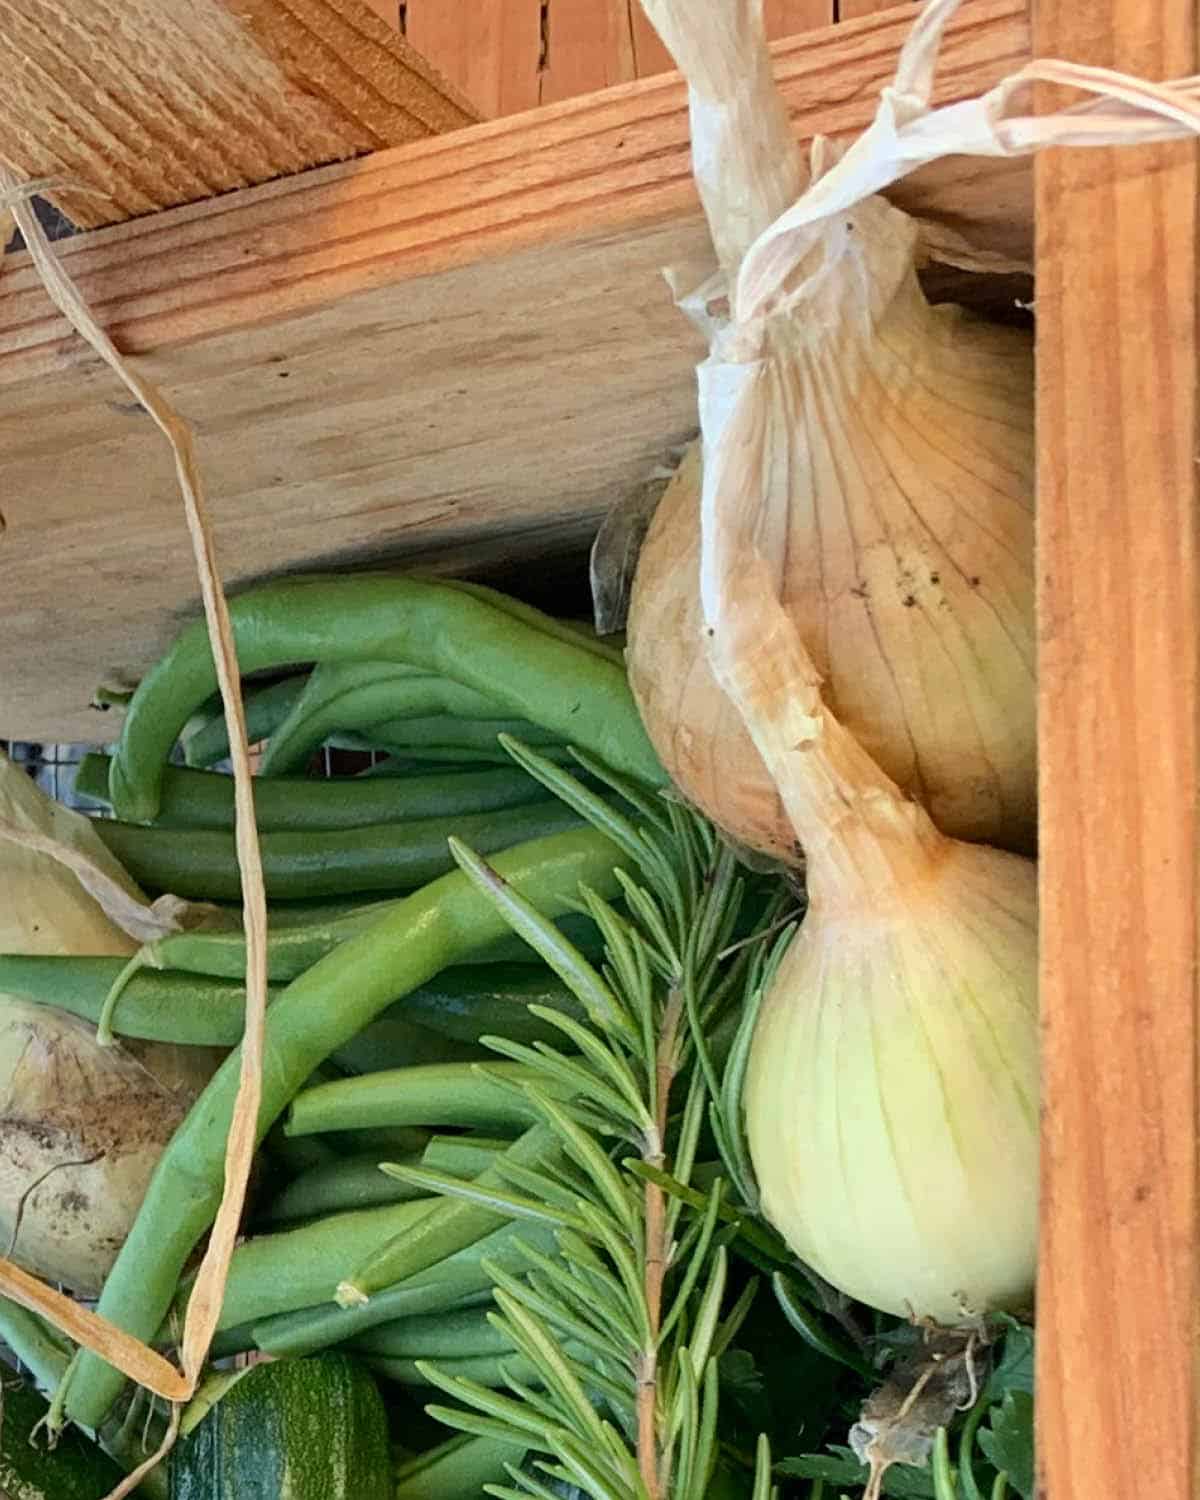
<point x="589" y="46"/>
<point x="1118" y="558"/>
<point x="490" y="49"/>
<point x="152" y="103"/>
<point x="510" y="55"/>
<point x="782" y="18"/>
<point x="851" y="10"/>
<point x="454" y="346"/>
<point x="387" y="10"/>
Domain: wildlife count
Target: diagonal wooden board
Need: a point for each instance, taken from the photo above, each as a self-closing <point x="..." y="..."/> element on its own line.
<point x="149" y="103"/>
<point x="453" y="350"/>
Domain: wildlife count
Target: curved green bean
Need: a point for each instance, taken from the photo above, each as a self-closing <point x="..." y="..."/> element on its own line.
<point x="560" y="685"/>
<point x="275" y="1273"/>
<point x="201" y="863"/>
<point x="299" y="939"/>
<point x="315" y="1015"/>
<point x="341" y="695"/>
<point x="194" y="1009"/>
<point x="352" y="1182"/>
<point x="457" y="1335"/>
<point x="458" y="1280"/>
<point x="457" y="1221"/>
<point x="459" y="735"/>
<point x="461" y="1094"/>
<point x="577" y="632"/>
<point x="457" y="1006"/>
<point x="462" y="1155"/>
<point x="204" y="799"/>
<point x="265" y="708"/>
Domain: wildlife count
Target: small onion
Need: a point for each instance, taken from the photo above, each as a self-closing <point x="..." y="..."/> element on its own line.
<point x="891" y="1095"/>
<point x="81" y="1126"/>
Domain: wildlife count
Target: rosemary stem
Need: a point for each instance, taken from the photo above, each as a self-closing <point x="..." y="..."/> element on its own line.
<point x="666" y="1061"/>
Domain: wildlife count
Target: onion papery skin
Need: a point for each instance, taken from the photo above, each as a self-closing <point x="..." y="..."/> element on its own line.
<point x="899" y="525"/>
<point x="891" y="1094"/>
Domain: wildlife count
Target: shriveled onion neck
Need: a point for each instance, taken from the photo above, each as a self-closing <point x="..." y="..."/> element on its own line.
<point x="866" y="845"/>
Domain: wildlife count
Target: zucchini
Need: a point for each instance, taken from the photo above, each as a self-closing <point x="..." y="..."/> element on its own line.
<point x="75" y="1469"/>
<point x="293" y="1429"/>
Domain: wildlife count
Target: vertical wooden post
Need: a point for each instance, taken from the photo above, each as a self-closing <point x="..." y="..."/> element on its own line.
<point x="1120" y="639"/>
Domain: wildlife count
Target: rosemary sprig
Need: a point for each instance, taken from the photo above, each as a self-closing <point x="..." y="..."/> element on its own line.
<point x="626" y="1326"/>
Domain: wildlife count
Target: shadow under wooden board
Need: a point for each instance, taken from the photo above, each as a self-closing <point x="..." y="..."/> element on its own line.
<point x="452" y="350"/>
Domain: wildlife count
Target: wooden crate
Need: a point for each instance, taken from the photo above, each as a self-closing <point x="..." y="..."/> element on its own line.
<point x="461" y="349"/>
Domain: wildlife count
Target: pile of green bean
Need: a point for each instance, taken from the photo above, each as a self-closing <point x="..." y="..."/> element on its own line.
<point x="377" y="1006"/>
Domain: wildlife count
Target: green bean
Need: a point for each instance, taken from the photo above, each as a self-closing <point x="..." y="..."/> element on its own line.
<point x="440" y="1094"/>
<point x="395" y="764"/>
<point x="342" y="695"/>
<point x="457" y="1221"/>
<point x="484" y="1369"/>
<point x="457" y="1469"/>
<point x="443" y="757"/>
<point x="562" y="686"/>
<point x="457" y="1335"/>
<point x="154" y="1007"/>
<point x="409" y="736"/>
<point x="201" y="863"/>
<point x="298" y="939"/>
<point x="456" y="1280"/>
<point x="318" y="1013"/>
<point x="38" y="1346"/>
<point x="472" y="1001"/>
<point x="462" y="1155"/>
<point x="488" y="1367"/>
<point x="204" y="799"/>
<point x="577" y="632"/>
<point x="294" y="1268"/>
<point x="350" y="1182"/>
<point x="393" y="1041"/>
<point x="266" y="708"/>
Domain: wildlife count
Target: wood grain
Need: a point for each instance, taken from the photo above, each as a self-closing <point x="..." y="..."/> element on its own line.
<point x="1118" y="562"/>
<point x="589" y="45"/>
<point x="851" y="10"/>
<point x="512" y="55"/>
<point x="782" y="18"/>
<point x="457" y="348"/>
<point x="387" y="10"/>
<point x="490" y="49"/>
<point x="149" y="103"/>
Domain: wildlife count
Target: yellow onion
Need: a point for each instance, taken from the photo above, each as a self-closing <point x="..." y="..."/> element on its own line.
<point x="891" y="1095"/>
<point x="865" y="543"/>
<point x="81" y="1125"/>
<point x="896" y="514"/>
<point x="892" y="1086"/>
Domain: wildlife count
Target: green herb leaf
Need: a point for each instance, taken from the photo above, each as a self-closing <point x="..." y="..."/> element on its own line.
<point x="1008" y="1440"/>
